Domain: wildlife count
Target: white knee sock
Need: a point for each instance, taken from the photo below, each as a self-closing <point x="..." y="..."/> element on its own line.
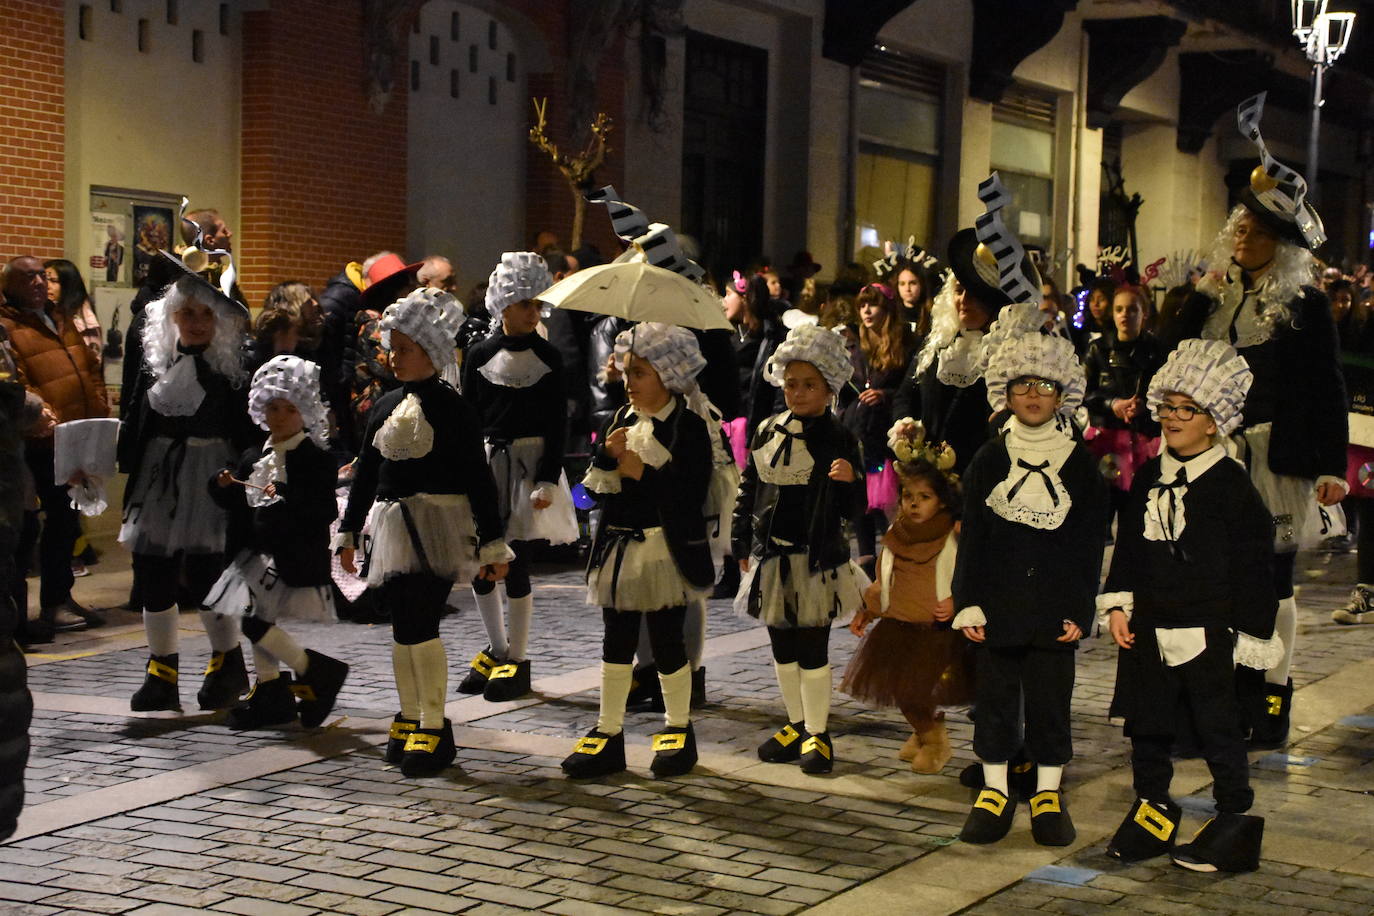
<point x="431" y="681"/>
<point x="518" y="614"/>
<point x="995" y="776"/>
<point x="489" y="606"/>
<point x="815" y="691"/>
<point x="265" y="667"/>
<point x="789" y="684"/>
<point x="1286" y="628"/>
<point x="694" y="632"/>
<point x="282" y="646"/>
<point x="161" y="628"/>
<point x="223" y="631"/>
<point x="615" y="689"/>
<point x="1047" y="778"/>
<point x="677" y="696"/>
<point x="403" y="669"/>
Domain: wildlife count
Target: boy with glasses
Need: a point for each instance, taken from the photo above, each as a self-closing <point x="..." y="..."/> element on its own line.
<point x="1189" y="597"/>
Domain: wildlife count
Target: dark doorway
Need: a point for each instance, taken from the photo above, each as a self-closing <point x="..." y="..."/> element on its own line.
<point x="725" y="116"/>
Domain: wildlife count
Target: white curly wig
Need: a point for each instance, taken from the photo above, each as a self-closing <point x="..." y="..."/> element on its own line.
<point x="1292" y="268"/>
<point x="225" y="352"/>
<point x="1047" y="356"/>
<point x="520" y="275"/>
<point x="1212" y="374"/>
<point x="944" y="324"/>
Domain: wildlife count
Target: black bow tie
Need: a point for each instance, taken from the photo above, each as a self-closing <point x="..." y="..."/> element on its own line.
<point x="1033" y="469"/>
<point x="1167" y="520"/>
<point x="784" y="450"/>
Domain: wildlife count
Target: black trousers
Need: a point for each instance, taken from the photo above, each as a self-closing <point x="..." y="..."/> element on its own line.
<point x="416" y="602"/>
<point x="184" y="579"/>
<point x="1044" y="678"/>
<point x="665" y="636"/>
<point x="61" y="527"/>
<point x="809" y="647"/>
<point x="1201" y="694"/>
<point x="517" y="576"/>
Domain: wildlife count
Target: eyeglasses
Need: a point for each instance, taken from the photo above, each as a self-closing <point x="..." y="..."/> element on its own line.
<point x="1184" y="412"/>
<point x="1041" y="386"/>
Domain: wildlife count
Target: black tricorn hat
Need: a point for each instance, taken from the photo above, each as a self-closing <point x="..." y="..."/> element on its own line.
<point x="223" y="303"/>
<point x="977" y="271"/>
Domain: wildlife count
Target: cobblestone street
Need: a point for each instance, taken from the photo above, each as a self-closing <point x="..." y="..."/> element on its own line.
<point x="158" y="814"/>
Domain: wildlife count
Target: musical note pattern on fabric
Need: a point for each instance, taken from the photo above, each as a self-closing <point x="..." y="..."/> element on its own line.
<point x="1002" y="242"/>
<point x="657" y="241"/>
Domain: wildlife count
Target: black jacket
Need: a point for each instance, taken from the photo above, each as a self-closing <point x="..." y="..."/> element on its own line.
<point x="515" y="413"/>
<point x="1219" y="571"/>
<point x="672" y="496"/>
<point x="1029" y="580"/>
<point x="606" y="397"/>
<point x="294" y="531"/>
<point x="16" y="705"/>
<point x="1304" y="380"/>
<point x="959" y="416"/>
<point x="828" y="503"/>
<point x="1121" y="369"/>
<point x="870" y="422"/>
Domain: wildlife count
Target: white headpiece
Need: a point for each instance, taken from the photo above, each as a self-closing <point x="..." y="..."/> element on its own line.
<point x="818" y="346"/>
<point x="520" y="275"/>
<point x="672" y="350"/>
<point x="1016" y="347"/>
<point x="296" y="380"/>
<point x="1210" y="372"/>
<point x="431" y="318"/>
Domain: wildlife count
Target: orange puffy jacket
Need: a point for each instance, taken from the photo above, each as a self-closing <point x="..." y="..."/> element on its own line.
<point x="58" y="366"/>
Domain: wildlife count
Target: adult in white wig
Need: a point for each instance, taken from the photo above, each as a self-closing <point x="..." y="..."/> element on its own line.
<point x="187" y="419"/>
<point x="1259" y="298"/>
<point x="513" y="379"/>
<point x="650" y="558"/>
<point x="434" y="513"/>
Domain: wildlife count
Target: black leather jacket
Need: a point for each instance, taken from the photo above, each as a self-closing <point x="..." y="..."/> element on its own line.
<point x="829" y="503"/>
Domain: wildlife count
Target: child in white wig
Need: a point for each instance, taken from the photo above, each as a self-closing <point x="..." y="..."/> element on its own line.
<point x="280" y="500"/>
<point x="804" y="479"/>
<point x="650" y="559"/>
<point x="436" y="518"/>
<point x="514" y="380"/>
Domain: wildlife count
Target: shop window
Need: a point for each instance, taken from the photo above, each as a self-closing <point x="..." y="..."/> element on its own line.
<point x="1023" y="152"/>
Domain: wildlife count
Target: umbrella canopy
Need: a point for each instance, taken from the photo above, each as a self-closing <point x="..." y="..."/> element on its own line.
<point x="639" y="292"/>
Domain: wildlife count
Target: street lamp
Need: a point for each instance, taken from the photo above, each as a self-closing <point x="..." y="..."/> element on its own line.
<point x="1324" y="37"/>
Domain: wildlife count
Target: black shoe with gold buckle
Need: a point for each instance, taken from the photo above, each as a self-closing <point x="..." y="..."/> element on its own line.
<point x="784" y="746"/>
<point x="817" y="754"/>
<point x="1148" y="830"/>
<point x="319" y="687"/>
<point x="510" y="681"/>
<point x="596" y="754"/>
<point x="675" y="751"/>
<point x="989" y="819"/>
<point x="401" y="728"/>
<point x="428" y="751"/>
<point x="475" y="681"/>
<point x="159" y="690"/>
<point x="1050" y="821"/>
<point x="268" y="704"/>
<point x="226" y="679"/>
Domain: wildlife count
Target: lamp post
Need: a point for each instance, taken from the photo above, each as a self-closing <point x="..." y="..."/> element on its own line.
<point x="1324" y="37"/>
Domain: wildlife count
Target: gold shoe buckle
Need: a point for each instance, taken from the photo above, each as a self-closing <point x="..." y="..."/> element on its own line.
<point x="992" y="801"/>
<point x="502" y="671"/>
<point x="1273" y="704"/>
<point x="590" y="745"/>
<point x="816" y="744"/>
<point x="304" y="692"/>
<point x="422" y="741"/>
<point x="216" y="663"/>
<point x="786" y="735"/>
<point x="482" y="663"/>
<point x="159" y="670"/>
<point x="1154" y="822"/>
<point x="1046" y="802"/>
<point x="670" y="742"/>
<point x="401" y="730"/>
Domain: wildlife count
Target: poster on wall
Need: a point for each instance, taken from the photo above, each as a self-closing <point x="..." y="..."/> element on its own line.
<point x="110" y="234"/>
<point x="152" y="231"/>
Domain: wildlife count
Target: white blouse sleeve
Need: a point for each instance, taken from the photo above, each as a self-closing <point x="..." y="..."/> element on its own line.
<point x="944" y="568"/>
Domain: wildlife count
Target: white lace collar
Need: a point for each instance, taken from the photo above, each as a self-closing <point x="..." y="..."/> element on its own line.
<point x="1032" y="493"/>
<point x="1241" y="311"/>
<point x="514" y="368"/>
<point x="961" y="363"/>
<point x="640" y="438"/>
<point x="405" y="434"/>
<point x="178" y="392"/>
<point x="1164" y="505"/>
<point x="270" y="468"/>
<point x="783" y="459"/>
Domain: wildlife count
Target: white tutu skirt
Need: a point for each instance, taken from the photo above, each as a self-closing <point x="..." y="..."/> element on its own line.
<point x="720" y="509"/>
<point x="514" y="467"/>
<point x="1289" y="499"/>
<point x="648" y="578"/>
<point x="250" y="587"/>
<point x="446" y="531"/>
<point x="793" y="596"/>
<point x="170" y="509"/>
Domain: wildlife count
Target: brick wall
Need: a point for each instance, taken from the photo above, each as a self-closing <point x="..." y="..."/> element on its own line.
<point x="324" y="178"/>
<point x="32" y="111"/>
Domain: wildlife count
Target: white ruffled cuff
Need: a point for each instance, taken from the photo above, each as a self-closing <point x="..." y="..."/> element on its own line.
<point x="544" y="491"/>
<point x="971" y="616"/>
<point x="1110" y="601"/>
<point x="599" y="480"/>
<point x="496" y="551"/>
<point x="1338" y="481"/>
<point x="1261" y="654"/>
<point x="344" y="540"/>
<point x="88" y="497"/>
